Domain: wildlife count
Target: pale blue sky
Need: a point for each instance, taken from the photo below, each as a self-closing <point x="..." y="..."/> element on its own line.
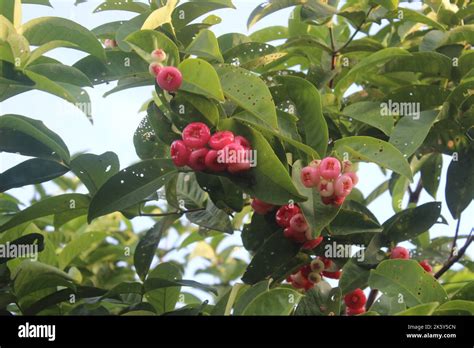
<point x="116" y="117"/>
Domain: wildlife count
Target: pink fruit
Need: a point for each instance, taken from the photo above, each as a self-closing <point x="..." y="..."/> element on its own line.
<point x="350" y="311"/>
<point x="290" y="233"/>
<point x="197" y="159"/>
<point x="298" y="223"/>
<point x="261" y="207"/>
<point x="326" y="188"/>
<point x="242" y="166"/>
<point x="310" y="176"/>
<point x="169" y="78"/>
<point x="355" y="299"/>
<point x="311" y="244"/>
<point x="400" y="253"/>
<point x="242" y="141"/>
<point x="212" y="162"/>
<point x="110" y="43"/>
<point x="220" y="139"/>
<point x="155" y="68"/>
<point x="179" y="153"/>
<point x="354" y="177"/>
<point x="159" y="55"/>
<point x="338" y="200"/>
<point x="343" y="185"/>
<point x="196" y="135"/>
<point x="330" y="168"/>
<point x="426" y="266"/>
<point x="315" y="163"/>
<point x="346" y="166"/>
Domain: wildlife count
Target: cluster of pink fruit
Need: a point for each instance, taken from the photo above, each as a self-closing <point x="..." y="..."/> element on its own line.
<point x="169" y="78"/>
<point x="311" y="274"/>
<point x="292" y="220"/>
<point x="333" y="180"/>
<point x="219" y="152"/>
<point x="400" y="252"/>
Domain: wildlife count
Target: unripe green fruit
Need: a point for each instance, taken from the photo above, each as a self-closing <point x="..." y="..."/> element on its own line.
<point x="317" y="265"/>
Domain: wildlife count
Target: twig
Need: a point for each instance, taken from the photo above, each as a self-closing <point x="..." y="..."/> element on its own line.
<point x="371" y="299"/>
<point x="455" y="237"/>
<point x="358" y="28"/>
<point x="415" y="195"/>
<point x="172" y="212"/>
<point x="333" y="55"/>
<point x="452" y="260"/>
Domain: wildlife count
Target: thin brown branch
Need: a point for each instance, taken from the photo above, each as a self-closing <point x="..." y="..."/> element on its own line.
<point x="371" y="299"/>
<point x="455" y="240"/>
<point x="452" y="260"/>
<point x="358" y="28"/>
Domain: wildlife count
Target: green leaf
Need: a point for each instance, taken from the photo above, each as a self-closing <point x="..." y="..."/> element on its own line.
<point x="61" y="73"/>
<point x="144" y="42"/>
<point x="426" y="63"/>
<point x="160" y="16"/>
<point x="113" y="5"/>
<point x="431" y="173"/>
<point x="422" y="309"/>
<point x="414" y="16"/>
<point x="369" y="113"/>
<point x="211" y="218"/>
<point x="272" y="33"/>
<point x="274" y="253"/>
<point x="259" y="229"/>
<point x="455" y="307"/>
<point x="189" y="11"/>
<point x="309" y="110"/>
<point x="146" y="248"/>
<point x="349" y="222"/>
<point x="29" y="137"/>
<point x="31" y="240"/>
<point x="248" y="91"/>
<point x="40" y="52"/>
<point x="249" y="295"/>
<point x="410" y="223"/>
<point x="278" y="301"/>
<point x="205" y="45"/>
<point x="368" y="149"/>
<point x="388" y="4"/>
<point x="95" y="170"/>
<point x="407" y="277"/>
<point x="272" y="6"/>
<point x="130" y="186"/>
<point x="163" y="299"/>
<point x="317" y="214"/>
<point x="199" y="77"/>
<point x="410" y="132"/>
<point x="79" y="245"/>
<point x="223" y="192"/>
<point x="460" y="184"/>
<point x="157" y="283"/>
<point x="42" y="30"/>
<point x="366" y="64"/>
<point x="75" y="202"/>
<point x="269" y="179"/>
<point x="32" y="171"/>
<point x="353" y="276"/>
<point x="465" y="293"/>
<point x="322" y="300"/>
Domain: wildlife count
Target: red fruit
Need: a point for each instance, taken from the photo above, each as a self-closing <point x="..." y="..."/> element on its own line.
<point x="240" y="140"/>
<point x="326" y="188"/>
<point x="355" y="299"/>
<point x="350" y="311"/>
<point x="220" y="139"/>
<point x="197" y="159"/>
<point x="260" y="207"/>
<point x="155" y="68"/>
<point x="285" y="213"/>
<point x="241" y="166"/>
<point x="212" y="162"/>
<point x="338" y="201"/>
<point x="354" y="177"/>
<point x="327" y="200"/>
<point x="400" y="253"/>
<point x="330" y="168"/>
<point x="290" y="233"/>
<point x="298" y="223"/>
<point x="159" y="55"/>
<point x="310" y="176"/>
<point x="169" y="78"/>
<point x="179" y="153"/>
<point x="311" y="244"/>
<point x="327" y="263"/>
<point x="343" y="186"/>
<point x="426" y="266"/>
<point x="332" y="275"/>
<point x="196" y="135"/>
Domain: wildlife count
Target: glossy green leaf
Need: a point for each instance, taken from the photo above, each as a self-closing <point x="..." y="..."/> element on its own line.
<point x="279" y="301"/>
<point x="431" y="173"/>
<point x="369" y="113"/>
<point x="211" y="218"/>
<point x="205" y="45"/>
<point x="79" y="245"/>
<point x="406" y="277"/>
<point x="145" y="41"/>
<point x="32" y="171"/>
<point x="45" y="29"/>
<point x="455" y="307"/>
<point x="130" y="186"/>
<point x="223" y="193"/>
<point x="249" y="92"/>
<point x="199" y="77"/>
<point x="112" y="5"/>
<point x="353" y="276"/>
<point x="422" y="309"/>
<point x="95" y="170"/>
<point x="368" y="149"/>
<point x="75" y="202"/>
<point x="163" y="299"/>
<point x="322" y="300"/>
<point x="459" y="184"/>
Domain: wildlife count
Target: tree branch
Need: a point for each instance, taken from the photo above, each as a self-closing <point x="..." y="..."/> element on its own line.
<point x="358" y="28"/>
<point x="455" y="237"/>
<point x="371" y="299"/>
<point x="452" y="260"/>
